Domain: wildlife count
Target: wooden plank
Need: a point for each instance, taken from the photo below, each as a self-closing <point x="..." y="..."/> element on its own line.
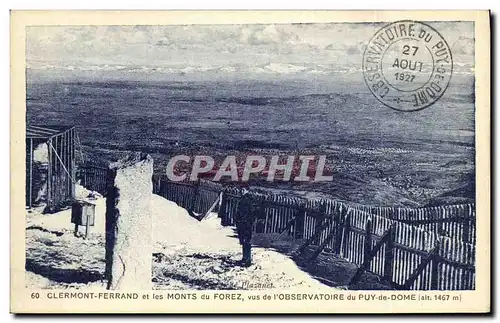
<point x="368" y="239"/>
<point x="419" y="270"/>
<point x="63" y="175"/>
<point x="434" y="277"/>
<point x="55" y="177"/>
<point x="58" y="162"/>
<point x="68" y="162"/>
<point x="94" y="179"/>
<point x="295" y="216"/>
<point x="212" y="207"/>
<point x="223" y="213"/>
<point x="49" y="174"/>
<point x="389" y="255"/>
<point x="41" y="131"/>
<point x="322" y="246"/>
<point x="67" y="188"/>
<point x="341" y="217"/>
<point x="323" y="225"/>
<point x="73" y="162"/>
<point x="31" y="174"/>
<point x="346" y="229"/>
<point x="466" y="229"/>
<point x="70" y="165"/>
<point x="263" y="212"/>
<point x="192" y="203"/>
<point x="45" y="129"/>
<point x="372" y="254"/>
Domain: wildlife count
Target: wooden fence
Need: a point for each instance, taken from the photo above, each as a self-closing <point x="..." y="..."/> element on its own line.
<point x="403" y="247"/>
<point x="404" y="255"/>
<point x="276" y="214"/>
<point x="93" y="177"/>
<point x="458" y="221"/>
<point x="407" y="256"/>
<point x="199" y="197"/>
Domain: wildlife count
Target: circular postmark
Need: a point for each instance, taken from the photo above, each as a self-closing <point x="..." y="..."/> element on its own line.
<point x="407" y="65"/>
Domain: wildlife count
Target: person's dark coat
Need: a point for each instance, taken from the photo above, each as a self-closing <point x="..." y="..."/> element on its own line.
<point x="245" y="218"/>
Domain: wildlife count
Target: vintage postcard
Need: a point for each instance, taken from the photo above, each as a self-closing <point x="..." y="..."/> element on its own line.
<point x="250" y="162"/>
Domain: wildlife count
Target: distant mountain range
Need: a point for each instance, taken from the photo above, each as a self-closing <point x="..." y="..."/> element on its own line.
<point x="237" y="69"/>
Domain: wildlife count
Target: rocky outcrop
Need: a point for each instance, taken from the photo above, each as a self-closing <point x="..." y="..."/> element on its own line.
<point x="129" y="223"/>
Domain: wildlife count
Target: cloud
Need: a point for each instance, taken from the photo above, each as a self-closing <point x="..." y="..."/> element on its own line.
<point x="168" y="44"/>
<point x="181" y="46"/>
<point x="266" y="35"/>
<point x="349" y="49"/>
<point x="463" y="46"/>
<point x="163" y="42"/>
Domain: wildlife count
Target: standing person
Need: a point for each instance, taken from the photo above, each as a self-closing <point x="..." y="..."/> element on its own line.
<point x="244" y="220"/>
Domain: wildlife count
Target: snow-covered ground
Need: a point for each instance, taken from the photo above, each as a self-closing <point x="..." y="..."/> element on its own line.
<point x="188" y="254"/>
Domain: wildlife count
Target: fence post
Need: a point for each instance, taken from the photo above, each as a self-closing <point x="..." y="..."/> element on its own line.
<point x="223" y="209"/>
<point x="192" y="204"/>
<point x="83" y="175"/>
<point x="163" y="187"/>
<point x="466" y="223"/>
<point x="262" y="214"/>
<point x="94" y="179"/>
<point x="345" y="234"/>
<point x="368" y="239"/>
<point x="153" y="180"/>
<point x="434" y="268"/>
<point x="389" y="255"/>
<point x="339" y="219"/>
<point x="50" y="183"/>
<point x="326" y="218"/>
<point x="300" y="222"/>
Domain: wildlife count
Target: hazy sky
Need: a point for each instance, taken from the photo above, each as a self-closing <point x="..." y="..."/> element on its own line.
<point x="214" y="46"/>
